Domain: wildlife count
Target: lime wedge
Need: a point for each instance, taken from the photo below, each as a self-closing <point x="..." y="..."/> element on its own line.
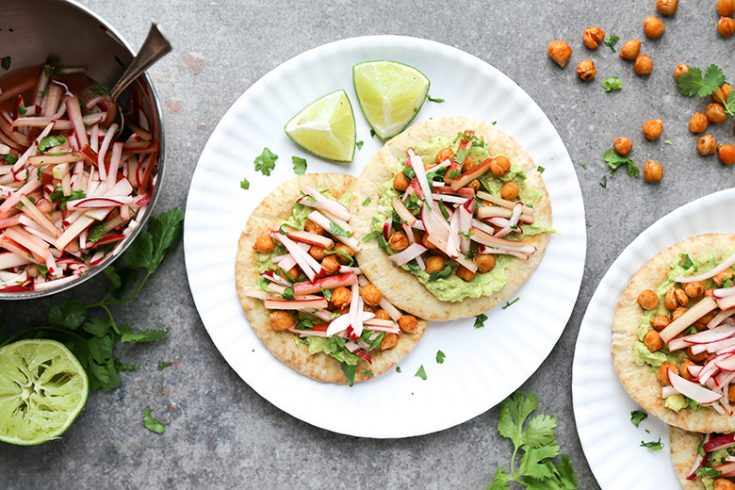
<point x="326" y="127"/>
<point x="42" y="390"/>
<point x="390" y="94"/>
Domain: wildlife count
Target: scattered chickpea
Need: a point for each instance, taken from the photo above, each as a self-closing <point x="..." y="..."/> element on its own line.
<point x="643" y="65"/>
<point x="294" y="272"/>
<point x="444" y="154"/>
<point x="474" y="185"/>
<point x="465" y="274"/>
<point x="652" y="129"/>
<point x="623" y="146"/>
<point x="720" y="96"/>
<point x="560" y="52"/>
<point x="696" y="357"/>
<point x="715" y="113"/>
<point x="724" y="483"/>
<point x="408" y="323"/>
<point x="371" y="294"/>
<point x="317" y="252"/>
<point x="499" y="166"/>
<point x="484" y="262"/>
<point x="653" y="27"/>
<point x="509" y="191"/>
<point x="653" y="172"/>
<point x="469" y="164"/>
<point x="653" y="341"/>
<point x="726" y="153"/>
<point x="330" y="264"/>
<point x="341" y="297"/>
<point x="670" y="301"/>
<point x="678" y="312"/>
<point x="400" y="182"/>
<point x="725" y="7"/>
<point x="435" y="263"/>
<point x="312" y="227"/>
<point x="663" y="372"/>
<point x="701" y="324"/>
<point x="726" y="26"/>
<point x="659" y="322"/>
<point x="344" y="250"/>
<point x="592" y="37"/>
<point x="667" y="7"/>
<point x="282" y="320"/>
<point x="694" y="289"/>
<point x="648" y="299"/>
<point x="698" y="123"/>
<point x="681" y="296"/>
<point x="398" y="241"/>
<point x="723" y="276"/>
<point x="427" y="243"/>
<point x="389" y="341"/>
<point x="706" y="145"/>
<point x="684" y="369"/>
<point x="381" y="314"/>
<point x="264" y="243"/>
<point x="681" y="69"/>
<point x="630" y="50"/>
<point x="586" y="70"/>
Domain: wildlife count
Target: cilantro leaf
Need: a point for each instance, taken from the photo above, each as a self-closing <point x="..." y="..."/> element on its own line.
<point x="11" y="159"/>
<point x="337" y="230"/>
<point x="637" y="416"/>
<point x="5" y="62"/>
<point x="421" y="373"/>
<point x="366" y="201"/>
<point x="69" y="314"/>
<point x="50" y="142"/>
<point x="500" y="481"/>
<point x="540" y="431"/>
<point x="612" y="84"/>
<point x="707" y="471"/>
<point x="447" y="271"/>
<point x="693" y="83"/>
<point x="567" y="475"/>
<point x="96" y="233"/>
<point x="299" y="165"/>
<point x="398" y="369"/>
<point x="603" y="182"/>
<point x="127" y="335"/>
<point x="371" y="236"/>
<point x="359" y="144"/>
<point x="541" y="169"/>
<point x="349" y="371"/>
<point x="611" y="41"/>
<point x="288" y="293"/>
<point x="440" y="357"/>
<point x="614" y="161"/>
<point x="58" y="196"/>
<point x="244" y="183"/>
<point x="513" y="413"/>
<point x="653" y="445"/>
<point x="434" y="99"/>
<point x="533" y="462"/>
<point x="480" y="320"/>
<point x="98" y="326"/>
<point x="153" y="425"/>
<point x="265" y="162"/>
<point x="163" y="365"/>
<point x="730" y="103"/>
<point x="149" y="249"/>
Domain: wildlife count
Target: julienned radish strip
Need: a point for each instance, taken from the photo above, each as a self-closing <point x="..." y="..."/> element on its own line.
<point x="295" y="304"/>
<point x="503" y="203"/>
<point x="301" y="257"/>
<point x="704" y="306"/>
<point x="341" y="323"/>
<point x="311" y="238"/>
<point x="727" y="303"/>
<point x="720" y="317"/>
<point x="394" y="313"/>
<point x="485" y="239"/>
<point x="468" y="177"/>
<point x="325" y="223"/>
<point x="417" y="164"/>
<point x="409" y="253"/>
<point x="696" y="392"/>
<point x="485" y="212"/>
<point x="334" y="207"/>
<point x="329" y="282"/>
<point x="412" y="239"/>
<point x="403" y="212"/>
<point x="722" y="266"/>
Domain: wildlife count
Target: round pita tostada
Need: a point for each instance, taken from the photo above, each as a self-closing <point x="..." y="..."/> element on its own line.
<point x="400" y="286"/>
<point x="284" y="345"/>
<point x="684" y="446"/>
<point x="640" y="381"/>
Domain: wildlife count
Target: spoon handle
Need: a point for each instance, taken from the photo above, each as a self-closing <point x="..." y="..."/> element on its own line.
<point x="154" y="48"/>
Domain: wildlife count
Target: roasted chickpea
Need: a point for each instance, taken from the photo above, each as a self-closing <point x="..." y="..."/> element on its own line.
<point x="694" y="290"/>
<point x="381" y="314"/>
<point x="648" y="299"/>
<point x="726" y="26"/>
<point x="484" y="262"/>
<point x="509" y="191"/>
<point x="330" y="264"/>
<point x="670" y="301"/>
<point x="408" y="323"/>
<point x="681" y="296"/>
<point x="723" y="483"/>
<point x="389" y="341"/>
<point x="435" y="263"/>
<point x="715" y="113"/>
<point x="706" y="145"/>
<point x="663" y="372"/>
<point x="653" y="341"/>
<point x="698" y="123"/>
<point x="720" y="96"/>
<point x="684" y="369"/>
<point x="400" y="182"/>
<point x="681" y="69"/>
<point x="659" y="322"/>
<point x="282" y="320"/>
<point x="623" y="146"/>
<point x="427" y="243"/>
<point x="653" y="27"/>
<point x="312" y="227"/>
<point x="465" y="274"/>
<point x="678" y="312"/>
<point x="592" y="37"/>
<point x="469" y="164"/>
<point x="725" y="7"/>
<point x="499" y="166"/>
<point x="560" y="52"/>
<point x="344" y="250"/>
<point x="294" y="273"/>
<point x="696" y="357"/>
<point x="586" y="70"/>
<point x="726" y="153"/>
<point x="667" y="7"/>
<point x="630" y="50"/>
<point x="723" y="276"/>
<point x="701" y="324"/>
<point x="474" y="185"/>
<point x="317" y="252"/>
<point x="341" y="297"/>
<point x="643" y="65"/>
<point x="264" y="244"/>
<point x="398" y="241"/>
<point x="652" y="129"/>
<point x="653" y="172"/>
<point x="371" y="295"/>
<point x="444" y="154"/>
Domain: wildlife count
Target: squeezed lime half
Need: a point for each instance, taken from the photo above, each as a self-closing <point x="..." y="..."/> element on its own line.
<point x="326" y="127"/>
<point x="43" y="388"/>
<point x="390" y="94"/>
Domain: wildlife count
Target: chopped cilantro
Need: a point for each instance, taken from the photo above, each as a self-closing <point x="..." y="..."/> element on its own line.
<point x="667" y="142"/>
<point x="447" y="271"/>
<point x="152" y="424"/>
<point x="611" y="41"/>
<point x="583" y="165"/>
<point x="22" y="111"/>
<point x="637" y="416"/>
<point x="443" y="209"/>
<point x="603" y="182"/>
<point x="455" y="172"/>
<point x="58" y="196"/>
<point x="615" y="160"/>
<point x="349" y="371"/>
<point x="372" y="133"/>
<point x="359" y="144"/>
<point x="299" y="165"/>
<point x="508" y="304"/>
<point x="337" y="230"/>
<point x="612" y="84"/>
<point x="288" y="294"/>
<point x="367" y="373"/>
<point x="5" y="62"/>
<point x="421" y="373"/>
<point x="366" y="201"/>
<point x="11" y="159"/>
<point x="459" y="158"/>
<point x="440" y="357"/>
<point x="480" y="320"/>
<point x="372" y="236"/>
<point x="327" y="294"/>
<point x="398" y="369"/>
<point x="653" y="445"/>
<point x="245" y="183"/>
<point x="265" y="162"/>
<point x="434" y="99"/>
<point x="96" y="232"/>
<point x="708" y="471"/>
<point x="305" y="324"/>
<point x="541" y="169"/>
<point x="163" y="365"/>
<point x="50" y="141"/>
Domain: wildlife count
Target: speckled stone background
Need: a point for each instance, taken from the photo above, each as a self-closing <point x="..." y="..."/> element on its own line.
<point x="221" y="434"/>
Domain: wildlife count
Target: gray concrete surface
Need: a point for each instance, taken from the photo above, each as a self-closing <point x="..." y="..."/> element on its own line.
<point x="221" y="434"/>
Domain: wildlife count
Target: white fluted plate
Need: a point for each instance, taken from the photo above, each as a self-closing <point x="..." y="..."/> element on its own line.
<point x="482" y="366"/>
<point x="601" y="405"/>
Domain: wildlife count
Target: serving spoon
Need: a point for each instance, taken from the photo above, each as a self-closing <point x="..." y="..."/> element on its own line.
<point x="155" y="47"/>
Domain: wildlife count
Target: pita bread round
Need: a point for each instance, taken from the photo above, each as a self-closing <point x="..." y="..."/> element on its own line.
<point x="400" y="287"/>
<point x="273" y="210"/>
<point x="640" y="381"/>
<point x="684" y="446"/>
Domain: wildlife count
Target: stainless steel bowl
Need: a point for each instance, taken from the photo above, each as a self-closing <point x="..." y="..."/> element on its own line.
<point x="32" y="31"/>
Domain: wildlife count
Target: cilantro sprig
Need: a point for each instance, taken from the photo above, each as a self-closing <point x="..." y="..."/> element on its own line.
<point x="693" y="82"/>
<point x="265" y="162"/>
<point x="534" y="440"/>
